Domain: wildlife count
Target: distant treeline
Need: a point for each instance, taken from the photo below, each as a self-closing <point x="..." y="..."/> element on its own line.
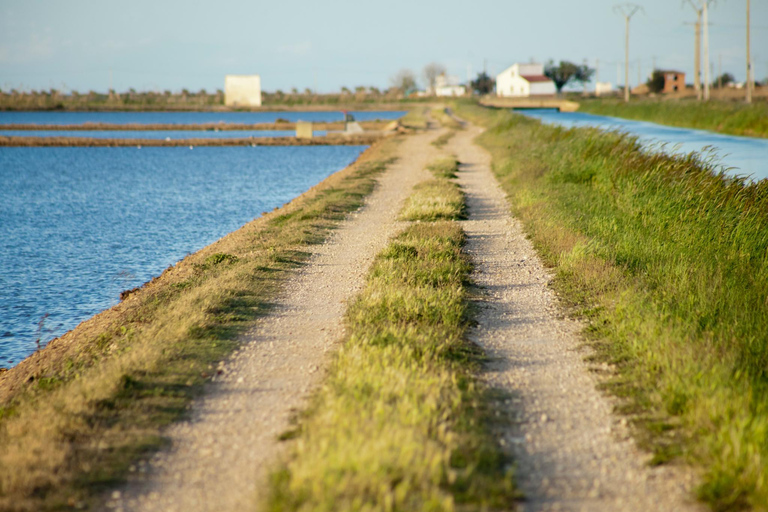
<point x="184" y="100"/>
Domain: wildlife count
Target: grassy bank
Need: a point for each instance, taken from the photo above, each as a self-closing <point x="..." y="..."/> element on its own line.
<point x="400" y="422"/>
<point x="668" y="263"/>
<point x="730" y="117"/>
<point x="74" y="416"/>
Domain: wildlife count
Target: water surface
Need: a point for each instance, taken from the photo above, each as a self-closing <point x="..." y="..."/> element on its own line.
<point x="54" y="117"/>
<point x="156" y="134"/>
<point x="734" y="154"/>
<point x="79" y="225"/>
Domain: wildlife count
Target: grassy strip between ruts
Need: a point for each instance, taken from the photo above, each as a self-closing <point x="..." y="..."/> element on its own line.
<point x="401" y="423"/>
<point x="74" y="416"/>
<point x="719" y="116"/>
<point x="669" y="264"/>
<point x="437" y="199"/>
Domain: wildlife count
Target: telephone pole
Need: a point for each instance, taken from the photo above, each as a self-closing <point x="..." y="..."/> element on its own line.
<point x="749" y="62"/>
<point x="697" y="51"/>
<point x="626" y="10"/>
<point x="705" y="20"/>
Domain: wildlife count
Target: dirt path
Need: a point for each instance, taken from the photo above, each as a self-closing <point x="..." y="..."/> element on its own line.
<point x="571" y="452"/>
<point x="218" y="457"/>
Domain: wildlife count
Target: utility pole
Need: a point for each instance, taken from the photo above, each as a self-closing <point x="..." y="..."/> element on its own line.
<point x="749" y="62"/>
<point x="705" y="20"/>
<point x="720" y="71"/>
<point x="697" y="51"/>
<point x="626" y="10"/>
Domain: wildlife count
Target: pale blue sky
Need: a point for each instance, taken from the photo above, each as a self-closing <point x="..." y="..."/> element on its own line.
<point x="171" y="44"/>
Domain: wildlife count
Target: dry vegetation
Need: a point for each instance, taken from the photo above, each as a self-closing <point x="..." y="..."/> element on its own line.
<point x="75" y="415"/>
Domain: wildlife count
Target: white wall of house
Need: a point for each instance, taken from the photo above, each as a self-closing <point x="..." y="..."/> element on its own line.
<point x="543" y="88"/>
<point x="450" y="90"/>
<point x="242" y="91"/>
<point x="510" y="82"/>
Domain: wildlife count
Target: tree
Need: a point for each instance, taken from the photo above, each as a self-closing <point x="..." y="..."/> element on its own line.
<point x="723" y="80"/>
<point x="431" y="72"/>
<point x="656" y="82"/>
<point x="404" y="81"/>
<point x="483" y="84"/>
<point x="566" y="72"/>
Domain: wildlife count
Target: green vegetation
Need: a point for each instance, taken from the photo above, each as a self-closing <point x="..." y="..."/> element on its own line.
<point x="361" y="97"/>
<point x="437" y="199"/>
<point x="75" y="415"/>
<point x="416" y="118"/>
<point x="668" y="262"/>
<point x="401" y="423"/>
<point x="719" y="116"/>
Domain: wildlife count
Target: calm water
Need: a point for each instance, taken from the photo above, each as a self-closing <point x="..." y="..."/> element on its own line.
<point x="185" y="117"/>
<point x="79" y="225"/>
<point x="155" y="134"/>
<point x="738" y="155"/>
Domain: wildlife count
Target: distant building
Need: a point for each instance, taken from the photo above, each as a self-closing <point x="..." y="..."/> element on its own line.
<point x="603" y="88"/>
<point x="448" y="86"/>
<point x="242" y="91"/>
<point x="523" y="80"/>
<point x="673" y="81"/>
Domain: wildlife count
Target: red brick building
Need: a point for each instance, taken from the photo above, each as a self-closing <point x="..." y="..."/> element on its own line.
<point x="673" y="81"/>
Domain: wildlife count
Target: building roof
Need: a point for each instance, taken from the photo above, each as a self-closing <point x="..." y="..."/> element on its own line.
<point x="671" y="71"/>
<point x="536" y="78"/>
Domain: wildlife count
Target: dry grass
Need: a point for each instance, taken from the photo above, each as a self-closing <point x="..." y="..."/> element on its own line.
<point x="76" y="414"/>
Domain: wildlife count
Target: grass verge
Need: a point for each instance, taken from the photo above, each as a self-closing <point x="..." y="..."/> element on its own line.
<point x="718" y="116"/>
<point x="668" y="262"/>
<point x="74" y="416"/>
<point x="401" y="423"/>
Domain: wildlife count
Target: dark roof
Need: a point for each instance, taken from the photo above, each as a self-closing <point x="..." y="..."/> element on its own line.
<point x="671" y="71"/>
<point x="537" y="78"/>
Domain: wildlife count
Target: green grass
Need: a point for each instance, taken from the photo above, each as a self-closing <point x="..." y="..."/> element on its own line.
<point x="74" y="416"/>
<point x="401" y="423"/>
<point x="437" y="199"/>
<point x="719" y="116"/>
<point x="668" y="263"/>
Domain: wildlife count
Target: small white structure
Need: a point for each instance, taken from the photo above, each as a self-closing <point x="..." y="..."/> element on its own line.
<point x="523" y="80"/>
<point x="242" y="91"/>
<point x="603" y="88"/>
<point x="448" y="86"/>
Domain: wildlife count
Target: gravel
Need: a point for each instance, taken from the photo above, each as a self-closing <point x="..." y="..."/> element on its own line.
<point x="571" y="452"/>
<point x="218" y="460"/>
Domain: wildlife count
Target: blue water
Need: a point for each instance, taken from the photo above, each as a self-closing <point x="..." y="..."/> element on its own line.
<point x="48" y="117"/>
<point x="155" y="134"/>
<point x="744" y="156"/>
<point x="79" y="225"/>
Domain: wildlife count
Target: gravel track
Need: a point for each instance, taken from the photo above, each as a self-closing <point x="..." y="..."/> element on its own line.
<point x="571" y="452"/>
<point x="219" y="457"/>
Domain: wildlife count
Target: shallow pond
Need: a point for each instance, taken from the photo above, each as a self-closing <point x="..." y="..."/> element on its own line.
<point x="54" y="117"/>
<point x="79" y="225"/>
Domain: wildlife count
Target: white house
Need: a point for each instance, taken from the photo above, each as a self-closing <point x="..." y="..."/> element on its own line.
<point x="242" y="91"/>
<point x="523" y="80"/>
<point x="448" y="86"/>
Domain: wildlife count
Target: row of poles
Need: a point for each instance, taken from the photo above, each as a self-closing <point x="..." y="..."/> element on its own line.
<point x="702" y="19"/>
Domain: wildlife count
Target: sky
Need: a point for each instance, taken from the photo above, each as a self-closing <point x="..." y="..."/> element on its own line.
<point x="326" y="44"/>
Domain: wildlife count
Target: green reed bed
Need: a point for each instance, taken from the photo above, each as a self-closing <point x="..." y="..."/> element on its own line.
<point x="731" y="117"/>
<point x="401" y="423"/>
<point x="668" y="262"/>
